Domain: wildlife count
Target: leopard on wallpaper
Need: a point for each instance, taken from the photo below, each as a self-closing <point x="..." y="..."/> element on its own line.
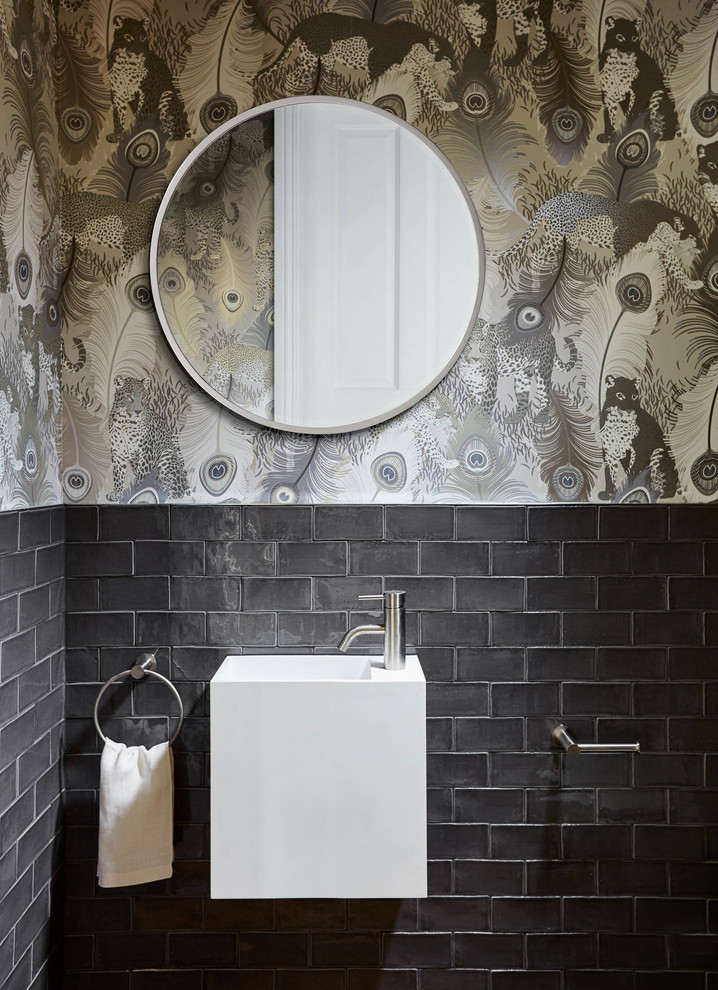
<point x="586" y="134"/>
<point x="30" y="342"/>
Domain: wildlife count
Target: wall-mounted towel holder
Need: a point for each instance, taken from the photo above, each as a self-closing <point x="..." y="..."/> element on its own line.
<point x="146" y="663"/>
<point x="563" y="737"/>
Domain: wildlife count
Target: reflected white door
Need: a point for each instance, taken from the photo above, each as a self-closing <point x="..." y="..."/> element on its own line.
<point x="363" y="211"/>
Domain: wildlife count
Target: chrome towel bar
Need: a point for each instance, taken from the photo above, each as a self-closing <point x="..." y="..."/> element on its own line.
<point x="562" y="736"/>
<point x="145" y="664"/>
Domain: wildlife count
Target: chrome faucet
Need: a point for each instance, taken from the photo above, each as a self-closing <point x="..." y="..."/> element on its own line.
<point x="393" y="630"/>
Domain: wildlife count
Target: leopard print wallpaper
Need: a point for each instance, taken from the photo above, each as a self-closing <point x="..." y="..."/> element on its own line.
<point x="30" y="343"/>
<point x="586" y="133"/>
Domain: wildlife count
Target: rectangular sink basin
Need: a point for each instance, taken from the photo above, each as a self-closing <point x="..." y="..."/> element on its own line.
<point x="318" y="778"/>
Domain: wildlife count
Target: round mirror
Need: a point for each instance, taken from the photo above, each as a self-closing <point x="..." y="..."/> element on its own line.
<point x="317" y="265"/>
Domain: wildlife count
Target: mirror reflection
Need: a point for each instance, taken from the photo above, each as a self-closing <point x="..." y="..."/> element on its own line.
<point x="317" y="265"/>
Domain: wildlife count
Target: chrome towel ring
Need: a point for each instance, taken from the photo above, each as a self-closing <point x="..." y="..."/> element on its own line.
<point x="146" y="664"/>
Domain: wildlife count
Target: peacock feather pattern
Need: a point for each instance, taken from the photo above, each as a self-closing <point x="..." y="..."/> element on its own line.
<point x="601" y="234"/>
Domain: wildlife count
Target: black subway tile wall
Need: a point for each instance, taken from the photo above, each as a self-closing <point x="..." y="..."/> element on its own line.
<point x="32" y="671"/>
<point x="546" y="872"/>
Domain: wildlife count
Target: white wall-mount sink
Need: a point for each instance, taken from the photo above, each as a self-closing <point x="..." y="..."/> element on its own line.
<point x="318" y="778"/>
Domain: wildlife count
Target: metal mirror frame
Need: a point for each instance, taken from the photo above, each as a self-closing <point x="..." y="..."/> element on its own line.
<point x="154" y="281"/>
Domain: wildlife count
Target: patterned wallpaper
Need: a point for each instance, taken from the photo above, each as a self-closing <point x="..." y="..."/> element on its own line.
<point x="587" y="135"/>
<point x="30" y="345"/>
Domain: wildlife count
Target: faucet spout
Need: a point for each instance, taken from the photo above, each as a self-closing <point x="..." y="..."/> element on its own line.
<point x="351" y="635"/>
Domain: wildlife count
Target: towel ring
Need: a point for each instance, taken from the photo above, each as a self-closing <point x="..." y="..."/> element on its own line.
<point x="145" y="665"/>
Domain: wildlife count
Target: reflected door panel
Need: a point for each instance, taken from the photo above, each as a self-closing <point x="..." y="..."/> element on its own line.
<point x="362" y="217"/>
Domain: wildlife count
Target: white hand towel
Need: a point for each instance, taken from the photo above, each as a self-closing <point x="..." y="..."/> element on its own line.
<point x="136" y="812"/>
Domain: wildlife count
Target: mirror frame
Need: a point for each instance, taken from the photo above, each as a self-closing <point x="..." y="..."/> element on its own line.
<point x="154" y="279"/>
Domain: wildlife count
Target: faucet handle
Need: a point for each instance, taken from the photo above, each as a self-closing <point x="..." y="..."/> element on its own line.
<point x="392" y="599"/>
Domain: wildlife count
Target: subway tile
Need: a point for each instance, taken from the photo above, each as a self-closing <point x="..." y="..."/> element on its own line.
<point x="310" y="628"/>
<point x="100" y="628"/>
<point x="313" y="559"/>
<point x="693" y="593"/>
<point x="492" y="950"/>
<point x="660" y="914"/>
<point x="526" y="914"/>
<point x="456" y="769"/>
<point x="277" y="522"/>
<point x="524" y="699"/>
<point x="18" y="653"/>
<point x="270" y="594"/>
<point x="9" y="529"/>
<point x="419" y="522"/>
<point x="200" y="594"/>
<point x="525" y="769"/>
<point x="630" y="951"/>
<point x="349" y="522"/>
<point x="34" y="606"/>
<point x="17" y="572"/>
<point x="692" y="663"/>
<point x="632" y="592"/>
<point x="170" y="628"/>
<point x="343" y="949"/>
<point x="597" y="770"/>
<point x="525" y="842"/>
<point x="424" y="949"/>
<point x="525" y="980"/>
<point x="693" y="522"/>
<point x="204" y="522"/>
<point x="629" y="877"/>
<point x="554" y="806"/>
<point x="560" y="664"/>
<point x="487" y="876"/>
<point x="144" y="522"/>
<point x="234" y="629"/>
<point x="489" y="734"/>
<point x="668" y="842"/>
<point x="34" y="528"/>
<point x="464" y="698"/>
<point x="94" y="559"/>
<point x="668" y="699"/>
<point x="8" y="616"/>
<point x="489" y="594"/>
<point x="454" y="628"/>
<point x="668" y="769"/>
<point x="694" y="878"/>
<point x="649" y="732"/>
<point x="596" y="841"/>
<point x="452" y="557"/>
<point x="439" y="735"/>
<point x="596" y="699"/>
<point x="82" y="594"/>
<point x="375" y="557"/>
<point x="693" y="734"/>
<point x="668" y="558"/>
<point x="525" y="629"/>
<point x="169" y="557"/>
<point x="526" y="558"/>
<point x="572" y="951"/>
<point x="627" y="805"/>
<point x="498" y="805"/>
<point x="454" y="979"/>
<point x="564" y="593"/>
<point x="596" y="558"/>
<point x="134" y="592"/>
<point x="662" y="628"/>
<point x="562" y="877"/>
<point x="488" y="663"/>
<point x="202" y="949"/>
<point x="235" y="558"/>
<point x="49" y="563"/>
<point x="566" y="522"/>
<point x="596" y="628"/>
<point x="437" y="662"/>
<point x="690" y="806"/>
<point x="631" y="663"/>
<point x="424" y="593"/>
<point x="460" y="841"/>
<point x="693" y="951"/>
<point x="334" y="593"/>
<point x="634" y="522"/>
<point x="483" y="522"/>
